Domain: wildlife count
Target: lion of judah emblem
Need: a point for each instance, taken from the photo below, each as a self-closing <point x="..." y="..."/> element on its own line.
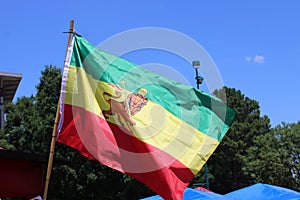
<point x="123" y="105"/>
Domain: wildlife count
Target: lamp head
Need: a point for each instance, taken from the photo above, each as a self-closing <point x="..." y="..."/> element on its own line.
<point x="196" y="64"/>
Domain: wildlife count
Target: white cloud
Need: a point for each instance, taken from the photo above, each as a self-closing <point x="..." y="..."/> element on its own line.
<point x="248" y="58"/>
<point x="259" y="59"/>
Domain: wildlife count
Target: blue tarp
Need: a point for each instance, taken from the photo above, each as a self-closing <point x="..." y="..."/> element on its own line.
<point x="258" y="191"/>
<point x="261" y="191"/>
<point x="192" y="194"/>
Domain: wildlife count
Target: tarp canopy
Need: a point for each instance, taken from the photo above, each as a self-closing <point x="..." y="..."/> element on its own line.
<point x="258" y="191"/>
<point x="261" y="191"/>
<point x="193" y="194"/>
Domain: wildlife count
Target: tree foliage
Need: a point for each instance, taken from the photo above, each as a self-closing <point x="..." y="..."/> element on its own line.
<point x="289" y="138"/>
<point x="275" y="157"/>
<point x="227" y="163"/>
<point x="18" y="129"/>
<point x="252" y="151"/>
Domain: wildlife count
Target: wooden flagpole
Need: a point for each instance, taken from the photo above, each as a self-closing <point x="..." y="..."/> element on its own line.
<point x="54" y="132"/>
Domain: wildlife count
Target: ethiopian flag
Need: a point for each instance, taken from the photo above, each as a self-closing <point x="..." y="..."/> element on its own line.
<point x="156" y="130"/>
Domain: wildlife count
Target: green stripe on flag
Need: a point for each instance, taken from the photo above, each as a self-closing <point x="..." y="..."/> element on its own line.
<point x="199" y="109"/>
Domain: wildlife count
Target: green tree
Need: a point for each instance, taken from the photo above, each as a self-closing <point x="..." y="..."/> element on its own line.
<point x="264" y="162"/>
<point x="29" y="122"/>
<point x="18" y="124"/>
<point x="227" y="162"/>
<point x="289" y="139"/>
<point x="275" y="157"/>
<point x="3" y="142"/>
<point x="47" y="96"/>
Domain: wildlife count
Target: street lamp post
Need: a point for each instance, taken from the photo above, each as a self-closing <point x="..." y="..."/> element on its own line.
<point x="199" y="80"/>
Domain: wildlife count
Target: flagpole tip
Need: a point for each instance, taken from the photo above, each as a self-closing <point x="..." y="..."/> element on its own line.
<point x="71" y="25"/>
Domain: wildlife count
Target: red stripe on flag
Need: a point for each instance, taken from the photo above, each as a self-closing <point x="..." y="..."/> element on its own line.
<point x="117" y="148"/>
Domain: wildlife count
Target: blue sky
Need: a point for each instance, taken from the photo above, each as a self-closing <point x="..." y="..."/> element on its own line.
<point x="254" y="44"/>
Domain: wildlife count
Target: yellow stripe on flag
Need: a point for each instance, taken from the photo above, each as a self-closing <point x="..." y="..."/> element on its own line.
<point x="154" y="125"/>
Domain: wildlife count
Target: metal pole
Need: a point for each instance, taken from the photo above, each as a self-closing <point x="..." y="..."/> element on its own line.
<point x="197" y="83"/>
<point x="205" y="165"/>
